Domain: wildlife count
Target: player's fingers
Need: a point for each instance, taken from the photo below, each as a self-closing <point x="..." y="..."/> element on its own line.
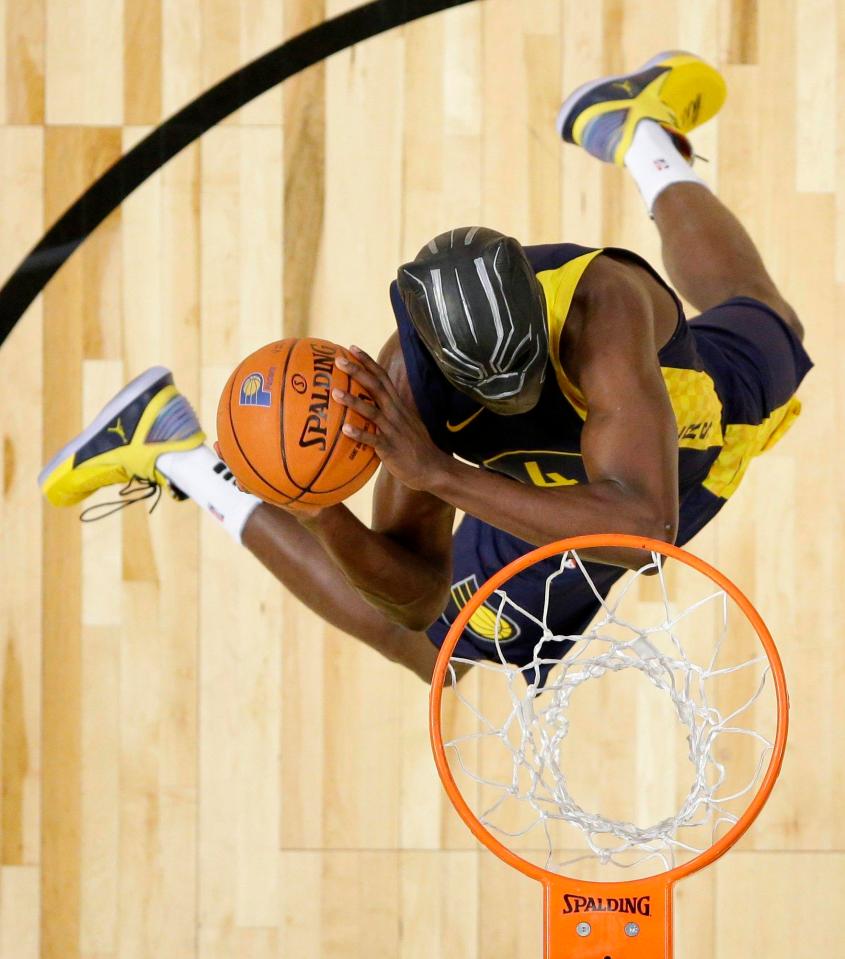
<point x="363" y="377"/>
<point x="301" y="510"/>
<point x="375" y="370"/>
<point x="369" y="382"/>
<point x="365" y="358"/>
<point x="375" y="440"/>
<point x="365" y="407"/>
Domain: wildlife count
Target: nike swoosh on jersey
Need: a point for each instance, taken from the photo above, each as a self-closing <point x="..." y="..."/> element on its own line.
<point x="457" y="427"/>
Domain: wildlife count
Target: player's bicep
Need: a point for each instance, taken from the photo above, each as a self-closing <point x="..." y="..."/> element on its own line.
<point x="629" y="436"/>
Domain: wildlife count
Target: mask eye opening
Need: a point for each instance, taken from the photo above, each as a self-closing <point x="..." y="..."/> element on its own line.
<point x="523" y="355"/>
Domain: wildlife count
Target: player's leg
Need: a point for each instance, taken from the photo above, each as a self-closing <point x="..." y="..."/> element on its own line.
<point x="297" y="559"/>
<point x="708" y="254"/>
<point x="150" y="433"/>
<point x="640" y="120"/>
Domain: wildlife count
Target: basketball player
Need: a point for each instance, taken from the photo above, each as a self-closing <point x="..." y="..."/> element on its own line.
<point x="569" y="377"/>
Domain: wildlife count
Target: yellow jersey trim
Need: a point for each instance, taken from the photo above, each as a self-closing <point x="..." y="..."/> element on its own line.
<point x="697" y="407"/>
<point x="743" y="442"/>
<point x="692" y="393"/>
<point x="499" y="456"/>
<point x="559" y="287"/>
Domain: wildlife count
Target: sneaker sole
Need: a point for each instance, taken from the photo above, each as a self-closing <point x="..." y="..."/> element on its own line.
<point x="572" y="99"/>
<point x="108" y="413"/>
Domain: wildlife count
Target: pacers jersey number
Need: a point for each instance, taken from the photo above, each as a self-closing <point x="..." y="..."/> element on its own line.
<point x="539" y="467"/>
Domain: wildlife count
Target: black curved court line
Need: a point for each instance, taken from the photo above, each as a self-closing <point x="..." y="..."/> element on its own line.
<point x="186" y="126"/>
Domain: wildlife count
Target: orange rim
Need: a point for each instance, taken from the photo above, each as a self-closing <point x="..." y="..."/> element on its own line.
<point x="720" y="847"/>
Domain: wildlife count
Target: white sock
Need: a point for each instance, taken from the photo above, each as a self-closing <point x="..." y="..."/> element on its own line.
<point x="655" y="163"/>
<point x="203" y="476"/>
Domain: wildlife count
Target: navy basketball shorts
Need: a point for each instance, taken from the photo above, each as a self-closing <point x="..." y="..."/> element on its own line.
<point x="758" y="363"/>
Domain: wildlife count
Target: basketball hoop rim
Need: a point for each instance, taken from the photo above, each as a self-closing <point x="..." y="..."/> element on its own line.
<point x="593" y="541"/>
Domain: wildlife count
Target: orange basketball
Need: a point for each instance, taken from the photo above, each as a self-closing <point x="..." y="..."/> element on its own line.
<point x="279" y="429"/>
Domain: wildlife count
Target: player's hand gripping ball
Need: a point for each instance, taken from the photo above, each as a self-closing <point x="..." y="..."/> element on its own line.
<point x="281" y="433"/>
<point x="394" y="428"/>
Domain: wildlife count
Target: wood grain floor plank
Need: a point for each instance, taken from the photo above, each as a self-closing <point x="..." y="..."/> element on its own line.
<point x="181" y="60"/>
<point x="815" y="79"/>
<point x="304" y="122"/>
<point x="100" y="810"/>
<point x="21" y="207"/>
<point x="752" y="882"/>
<point x="743" y="31"/>
<point x="84" y="79"/>
<point x="72" y="158"/>
<point x="19" y="908"/>
<point x="24" y="50"/>
<point x="142" y="62"/>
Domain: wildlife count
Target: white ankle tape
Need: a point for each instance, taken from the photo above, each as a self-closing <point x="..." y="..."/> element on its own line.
<point x="203" y="476"/>
<point x="655" y="163"/>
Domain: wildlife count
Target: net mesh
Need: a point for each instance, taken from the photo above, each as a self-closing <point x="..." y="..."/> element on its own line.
<point x="689" y="730"/>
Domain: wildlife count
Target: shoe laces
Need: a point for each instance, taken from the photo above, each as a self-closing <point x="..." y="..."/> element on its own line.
<point x="137" y="489"/>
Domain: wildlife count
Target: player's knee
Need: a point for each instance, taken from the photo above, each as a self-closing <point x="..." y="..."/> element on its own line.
<point x="786" y="313"/>
<point x="668" y="531"/>
<point x="664" y="530"/>
<point x="418" y="616"/>
<point x="766" y="292"/>
<point x="410" y="648"/>
<point x="790" y="317"/>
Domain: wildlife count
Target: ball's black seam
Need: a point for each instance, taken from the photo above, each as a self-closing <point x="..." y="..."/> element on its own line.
<point x="247" y="460"/>
<point x="336" y="489"/>
<point x="337" y="434"/>
<point x="282" y="448"/>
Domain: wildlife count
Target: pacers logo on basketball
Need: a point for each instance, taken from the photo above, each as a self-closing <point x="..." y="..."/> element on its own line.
<point x="488" y="622"/>
<point x="253" y="392"/>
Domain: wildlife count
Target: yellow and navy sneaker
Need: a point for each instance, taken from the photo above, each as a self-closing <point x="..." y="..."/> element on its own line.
<point x="146" y="418"/>
<point x="678" y="90"/>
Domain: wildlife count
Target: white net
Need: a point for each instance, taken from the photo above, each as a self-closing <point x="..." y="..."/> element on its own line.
<point x="647" y="742"/>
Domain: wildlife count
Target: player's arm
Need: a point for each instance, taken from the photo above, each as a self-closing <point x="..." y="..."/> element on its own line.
<point x="629" y="442"/>
<point x="403" y="564"/>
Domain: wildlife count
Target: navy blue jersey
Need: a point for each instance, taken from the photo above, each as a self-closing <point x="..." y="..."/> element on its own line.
<point x="725" y="414"/>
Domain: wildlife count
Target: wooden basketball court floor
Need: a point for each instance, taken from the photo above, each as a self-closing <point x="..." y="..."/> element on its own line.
<point x="192" y="764"/>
